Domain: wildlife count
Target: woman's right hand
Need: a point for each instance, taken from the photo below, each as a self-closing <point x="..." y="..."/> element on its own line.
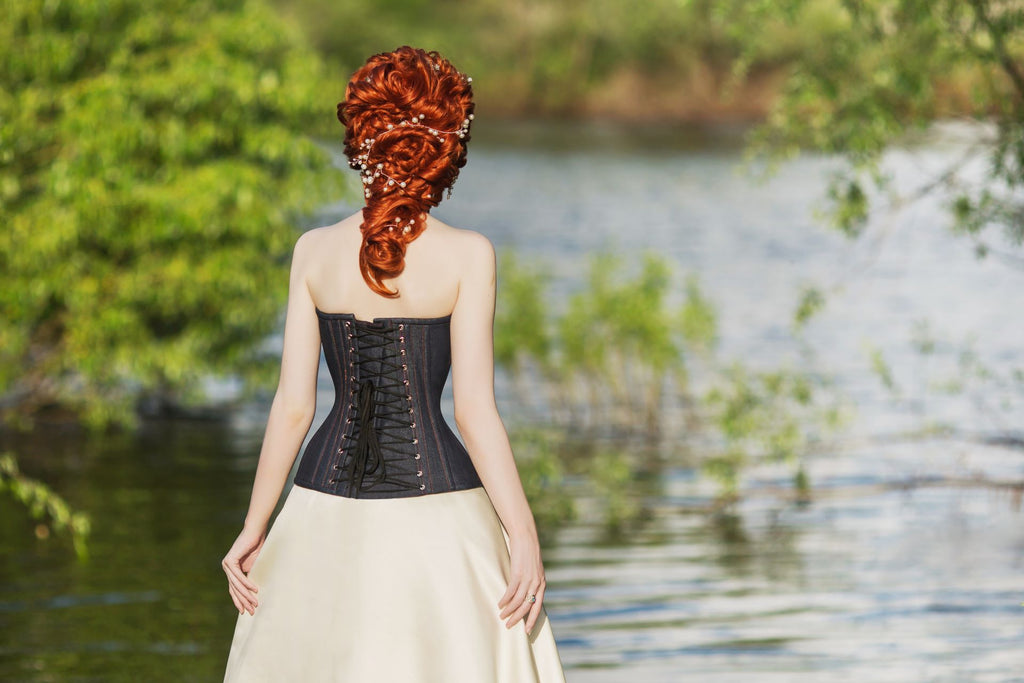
<point x="237" y="564"/>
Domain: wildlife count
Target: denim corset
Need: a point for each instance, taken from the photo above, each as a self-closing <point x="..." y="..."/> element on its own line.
<point x="385" y="436"/>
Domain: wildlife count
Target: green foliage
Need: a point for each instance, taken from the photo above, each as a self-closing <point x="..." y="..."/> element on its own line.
<point x="521" y="334"/>
<point x="615" y="365"/>
<point x="887" y="68"/>
<point x="620" y="343"/>
<point x="611" y="474"/>
<point x="151" y="174"/>
<point x="765" y="415"/>
<point x="43" y="504"/>
<point x="556" y="57"/>
<point x="882" y="370"/>
<point x="952" y="368"/>
<point x="543" y="475"/>
<point x="812" y="301"/>
<point x="698" y="320"/>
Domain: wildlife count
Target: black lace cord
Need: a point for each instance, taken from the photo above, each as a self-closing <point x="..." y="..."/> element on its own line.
<point x="365" y="468"/>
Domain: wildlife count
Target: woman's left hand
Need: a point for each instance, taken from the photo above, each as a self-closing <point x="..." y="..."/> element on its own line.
<point x="527" y="578"/>
<point x="237" y="563"/>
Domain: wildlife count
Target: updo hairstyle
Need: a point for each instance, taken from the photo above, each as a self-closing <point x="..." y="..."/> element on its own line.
<point x="406" y="115"/>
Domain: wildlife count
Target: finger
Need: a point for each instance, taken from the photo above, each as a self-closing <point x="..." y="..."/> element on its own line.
<point x="513" y="585"/>
<point x="235" y="598"/>
<point x="535" y="612"/>
<point x="248" y="600"/>
<point x="518" y="614"/>
<point x="241" y="580"/>
<point x="515" y="601"/>
<point x="527" y="607"/>
<point x="236" y="568"/>
<point x="524" y="606"/>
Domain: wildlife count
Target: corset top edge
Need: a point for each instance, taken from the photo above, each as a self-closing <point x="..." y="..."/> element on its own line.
<point x="384" y="319"/>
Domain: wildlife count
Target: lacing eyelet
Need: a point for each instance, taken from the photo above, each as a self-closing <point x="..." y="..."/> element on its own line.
<point x="410" y="411"/>
<point x="419" y="473"/>
<point x="350" y="335"/>
<point x="416" y="457"/>
<point x="422" y="486"/>
<point x="401" y="339"/>
<point x="348" y="419"/>
<point x="336" y="467"/>
<point x="406" y="382"/>
<point x="412" y="425"/>
<point x="401" y="326"/>
<point x="332" y="481"/>
<point x="416" y="441"/>
<point x="341" y="450"/>
<point x="404" y="366"/>
<point x="403" y="352"/>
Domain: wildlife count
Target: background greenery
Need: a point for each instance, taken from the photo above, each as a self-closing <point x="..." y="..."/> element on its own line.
<point x="153" y="167"/>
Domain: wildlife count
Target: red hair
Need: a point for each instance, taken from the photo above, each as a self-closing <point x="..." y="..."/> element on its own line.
<point x="380" y="99"/>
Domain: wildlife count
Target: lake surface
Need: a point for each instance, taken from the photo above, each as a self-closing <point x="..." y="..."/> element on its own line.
<point x="871" y="581"/>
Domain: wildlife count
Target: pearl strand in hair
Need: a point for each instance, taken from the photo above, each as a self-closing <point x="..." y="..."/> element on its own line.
<point x="370" y="175"/>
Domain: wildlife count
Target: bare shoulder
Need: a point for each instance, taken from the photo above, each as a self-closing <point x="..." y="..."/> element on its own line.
<point x="472" y="249"/>
<point x="323" y="239"/>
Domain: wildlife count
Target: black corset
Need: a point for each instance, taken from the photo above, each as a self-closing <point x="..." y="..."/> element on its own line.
<point x="385" y="436"/>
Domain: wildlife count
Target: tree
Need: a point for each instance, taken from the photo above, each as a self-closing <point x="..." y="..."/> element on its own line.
<point x="881" y="69"/>
<point x="152" y="171"/>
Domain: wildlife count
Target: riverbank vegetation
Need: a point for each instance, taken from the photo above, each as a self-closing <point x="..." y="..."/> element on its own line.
<point x="626" y="381"/>
<point x="884" y="74"/>
<point x="153" y="168"/>
<point x="49" y="511"/>
<point x="661" y="60"/>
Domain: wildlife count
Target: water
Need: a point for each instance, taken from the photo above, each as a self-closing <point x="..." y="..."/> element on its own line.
<point x="871" y="581"/>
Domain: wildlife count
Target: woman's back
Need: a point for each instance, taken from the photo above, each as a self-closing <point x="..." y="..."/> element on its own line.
<point x="385" y="436"/>
<point x="428" y="286"/>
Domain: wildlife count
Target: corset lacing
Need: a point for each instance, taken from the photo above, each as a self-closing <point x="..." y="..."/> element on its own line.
<point x="383" y="411"/>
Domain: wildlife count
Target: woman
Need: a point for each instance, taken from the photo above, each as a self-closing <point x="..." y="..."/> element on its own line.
<point x="399" y="555"/>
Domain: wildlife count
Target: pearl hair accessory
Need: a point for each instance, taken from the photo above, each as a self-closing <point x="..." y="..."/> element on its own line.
<point x="405" y="230"/>
<point x="371" y="174"/>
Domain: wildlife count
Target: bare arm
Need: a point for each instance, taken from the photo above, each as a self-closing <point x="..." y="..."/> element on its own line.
<point x="290" y="416"/>
<point x="476" y="416"/>
<point x="294" y="404"/>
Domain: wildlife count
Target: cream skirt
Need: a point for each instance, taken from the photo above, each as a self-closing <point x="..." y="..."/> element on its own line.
<point x="400" y="590"/>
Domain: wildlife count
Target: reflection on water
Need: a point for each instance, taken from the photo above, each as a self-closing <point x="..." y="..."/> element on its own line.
<point x="869" y="582"/>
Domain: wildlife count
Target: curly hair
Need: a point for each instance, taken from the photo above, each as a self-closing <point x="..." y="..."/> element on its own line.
<point x="410" y="166"/>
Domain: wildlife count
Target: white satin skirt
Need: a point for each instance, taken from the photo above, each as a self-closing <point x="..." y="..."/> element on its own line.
<point x="399" y="590"/>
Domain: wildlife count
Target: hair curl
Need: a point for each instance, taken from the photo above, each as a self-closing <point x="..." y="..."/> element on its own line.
<point x="390" y="88"/>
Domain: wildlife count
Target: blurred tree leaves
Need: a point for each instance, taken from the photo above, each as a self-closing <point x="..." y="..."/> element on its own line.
<point x="881" y="69"/>
<point x="52" y="512"/>
<point x="570" y="57"/>
<point x="152" y="169"/>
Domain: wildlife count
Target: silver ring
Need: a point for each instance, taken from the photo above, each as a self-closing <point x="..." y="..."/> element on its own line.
<point x="533" y="598"/>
